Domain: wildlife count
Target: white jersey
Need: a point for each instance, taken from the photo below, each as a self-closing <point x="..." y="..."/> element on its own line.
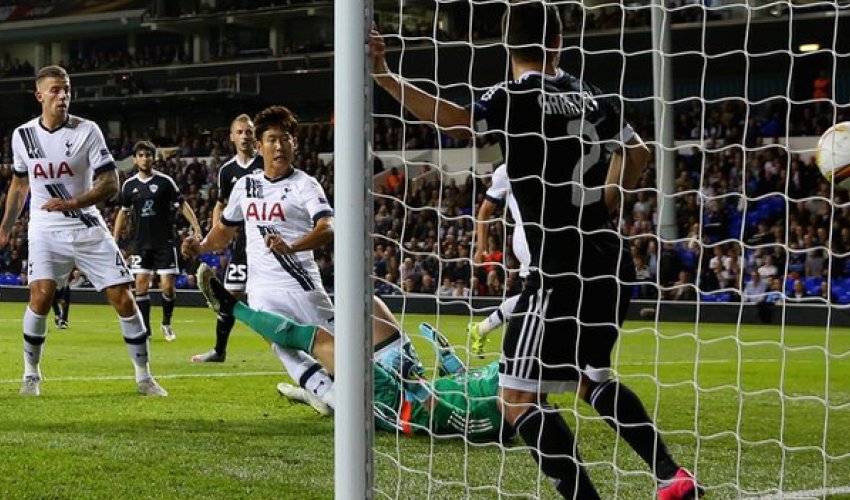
<point x="500" y="192"/>
<point x="61" y="164"/>
<point x="289" y="207"/>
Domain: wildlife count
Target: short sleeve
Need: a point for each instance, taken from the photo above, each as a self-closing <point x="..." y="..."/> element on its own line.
<point x="124" y="198"/>
<point x="19" y="167"/>
<point x="232" y="213"/>
<point x="490" y="112"/>
<point x="499" y="187"/>
<point x="224" y="188"/>
<point x="100" y="158"/>
<point x="315" y="200"/>
<point x="176" y="195"/>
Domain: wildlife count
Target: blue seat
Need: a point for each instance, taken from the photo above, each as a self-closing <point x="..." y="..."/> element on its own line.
<point x="812" y="284"/>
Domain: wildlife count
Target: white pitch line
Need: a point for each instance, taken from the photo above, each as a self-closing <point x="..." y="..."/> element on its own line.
<point x="130" y="377"/>
<point x="796" y="495"/>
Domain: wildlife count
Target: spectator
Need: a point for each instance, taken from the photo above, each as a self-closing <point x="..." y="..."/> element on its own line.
<point x="755" y="289"/>
<point x="460" y="289"/>
<point x="815" y="264"/>
<point x="395" y="181"/>
<point x="768" y="269"/>
<point x="683" y="288"/>
<point x="446" y="289"/>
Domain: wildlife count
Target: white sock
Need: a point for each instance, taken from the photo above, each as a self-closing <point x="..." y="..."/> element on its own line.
<point x="305" y="370"/>
<point x="35" y="333"/>
<point x="499" y="316"/>
<point x="136" y="338"/>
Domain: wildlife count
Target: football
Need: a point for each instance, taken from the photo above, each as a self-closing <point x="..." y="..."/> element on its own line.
<point x="833" y="154"/>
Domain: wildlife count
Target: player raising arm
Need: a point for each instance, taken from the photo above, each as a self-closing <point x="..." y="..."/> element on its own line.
<point x="568" y="152"/>
<point x="64" y="162"/>
<point x="153" y="199"/>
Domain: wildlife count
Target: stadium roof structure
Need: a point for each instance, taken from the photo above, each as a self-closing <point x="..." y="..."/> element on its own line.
<point x="71" y="25"/>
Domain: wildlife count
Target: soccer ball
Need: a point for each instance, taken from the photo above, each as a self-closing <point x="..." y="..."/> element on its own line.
<point x="833" y="154"/>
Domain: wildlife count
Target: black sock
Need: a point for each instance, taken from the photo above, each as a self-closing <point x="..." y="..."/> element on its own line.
<point x="553" y="447"/>
<point x="167" y="308"/>
<point x="66" y="310"/>
<point x="625" y="414"/>
<point x="222" y="332"/>
<point x="144" y="302"/>
<point x="57" y="309"/>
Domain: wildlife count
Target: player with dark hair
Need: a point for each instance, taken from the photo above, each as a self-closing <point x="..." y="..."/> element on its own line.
<point x="286" y="215"/>
<point x="247" y="160"/>
<point x="459" y="403"/>
<point x="153" y="199"/>
<point x="63" y="161"/>
<point x="568" y="153"/>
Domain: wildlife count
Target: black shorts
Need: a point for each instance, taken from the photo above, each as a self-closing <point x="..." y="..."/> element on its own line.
<point x="560" y="329"/>
<point x="163" y="260"/>
<point x="236" y="275"/>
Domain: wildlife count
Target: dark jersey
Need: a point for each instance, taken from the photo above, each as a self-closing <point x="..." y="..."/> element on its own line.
<point x="556" y="134"/>
<point x="154" y="202"/>
<point x="228" y="175"/>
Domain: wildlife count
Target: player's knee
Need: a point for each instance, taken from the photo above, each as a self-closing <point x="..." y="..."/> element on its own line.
<point x="121" y="299"/>
<point x="514" y="403"/>
<point x="585" y="389"/>
<point x="41" y="296"/>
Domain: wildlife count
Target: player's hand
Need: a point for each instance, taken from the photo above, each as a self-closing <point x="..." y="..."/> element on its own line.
<point x="478" y="258"/>
<point x="191" y="246"/>
<point x="276" y="244"/>
<point x="378" y="49"/>
<point x="60" y="205"/>
<point x="4" y="240"/>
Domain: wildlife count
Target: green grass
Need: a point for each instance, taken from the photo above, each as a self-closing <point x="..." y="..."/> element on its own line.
<point x="777" y="420"/>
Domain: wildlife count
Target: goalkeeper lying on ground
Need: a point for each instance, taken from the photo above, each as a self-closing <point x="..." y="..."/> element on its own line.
<point x="459" y="403"/>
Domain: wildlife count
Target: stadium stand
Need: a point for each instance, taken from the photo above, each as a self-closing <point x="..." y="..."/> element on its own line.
<point x="722" y="192"/>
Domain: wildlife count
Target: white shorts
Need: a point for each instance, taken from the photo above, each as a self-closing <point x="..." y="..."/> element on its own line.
<point x="54" y="254"/>
<point x="308" y="308"/>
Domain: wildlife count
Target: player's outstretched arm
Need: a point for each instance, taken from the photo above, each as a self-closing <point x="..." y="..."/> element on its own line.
<point x="218" y="238"/>
<point x="453" y="117"/>
<point x="189" y="215"/>
<point x="15" y="199"/>
<point x="105" y="186"/>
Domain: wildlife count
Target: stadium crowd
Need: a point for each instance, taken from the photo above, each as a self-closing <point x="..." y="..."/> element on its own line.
<point x="744" y="208"/>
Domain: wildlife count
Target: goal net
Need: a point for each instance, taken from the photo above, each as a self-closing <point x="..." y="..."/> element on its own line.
<point x="736" y="338"/>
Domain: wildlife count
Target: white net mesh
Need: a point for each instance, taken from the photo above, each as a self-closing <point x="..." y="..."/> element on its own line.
<point x="737" y="339"/>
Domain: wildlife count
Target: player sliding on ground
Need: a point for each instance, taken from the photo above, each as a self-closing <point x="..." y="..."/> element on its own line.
<point x="461" y="402"/>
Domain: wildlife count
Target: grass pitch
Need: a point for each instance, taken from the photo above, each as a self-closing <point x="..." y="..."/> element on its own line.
<point x="754" y="410"/>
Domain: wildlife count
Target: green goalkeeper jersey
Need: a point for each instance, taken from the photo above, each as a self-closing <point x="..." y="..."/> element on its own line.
<point x="466" y="405"/>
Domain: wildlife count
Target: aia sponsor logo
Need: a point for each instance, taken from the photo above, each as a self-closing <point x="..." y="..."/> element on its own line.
<point x="264" y="211"/>
<point x="51" y="170"/>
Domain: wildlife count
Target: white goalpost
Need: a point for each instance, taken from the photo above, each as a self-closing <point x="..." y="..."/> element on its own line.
<point x="353" y="418"/>
<point x="738" y="336"/>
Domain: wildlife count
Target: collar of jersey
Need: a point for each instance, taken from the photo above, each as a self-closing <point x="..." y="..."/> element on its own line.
<point x="282" y="177"/>
<point x="559" y="73"/>
<point x="60" y="127"/>
<point x="245" y="166"/>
